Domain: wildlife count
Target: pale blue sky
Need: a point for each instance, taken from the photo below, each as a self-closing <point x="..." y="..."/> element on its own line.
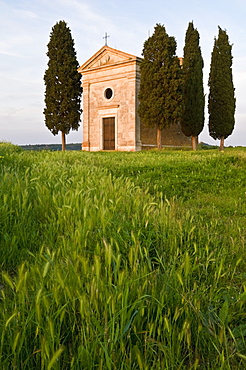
<point x="25" y="26"/>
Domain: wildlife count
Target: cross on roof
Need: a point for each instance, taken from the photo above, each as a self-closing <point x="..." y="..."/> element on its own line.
<point x="106" y="38"/>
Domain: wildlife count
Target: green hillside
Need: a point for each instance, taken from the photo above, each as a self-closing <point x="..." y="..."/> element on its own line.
<point x="122" y="260"/>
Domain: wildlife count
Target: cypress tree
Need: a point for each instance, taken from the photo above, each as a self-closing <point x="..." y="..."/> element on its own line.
<point x="192" y="121"/>
<point x="160" y="92"/>
<point x="63" y="83"/>
<point x="221" y="100"/>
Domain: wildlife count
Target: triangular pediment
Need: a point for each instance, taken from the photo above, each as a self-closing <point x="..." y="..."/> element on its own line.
<point x="105" y="57"/>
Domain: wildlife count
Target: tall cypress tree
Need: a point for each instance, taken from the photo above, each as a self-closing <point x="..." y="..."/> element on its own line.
<point x="160" y="87"/>
<point x="221" y="100"/>
<point x="63" y="83"/>
<point x="192" y="121"/>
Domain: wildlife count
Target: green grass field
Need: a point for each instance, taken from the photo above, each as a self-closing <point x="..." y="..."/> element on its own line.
<point x="122" y="260"/>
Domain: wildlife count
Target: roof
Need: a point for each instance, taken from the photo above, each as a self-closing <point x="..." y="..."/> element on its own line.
<point x="106" y="57"/>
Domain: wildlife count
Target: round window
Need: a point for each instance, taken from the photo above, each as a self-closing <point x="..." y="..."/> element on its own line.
<point x="108" y="93"/>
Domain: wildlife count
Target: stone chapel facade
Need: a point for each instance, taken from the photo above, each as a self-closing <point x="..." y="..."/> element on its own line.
<point x="111" y="82"/>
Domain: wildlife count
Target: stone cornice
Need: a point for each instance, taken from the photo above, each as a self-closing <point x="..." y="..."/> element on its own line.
<point x="108" y="106"/>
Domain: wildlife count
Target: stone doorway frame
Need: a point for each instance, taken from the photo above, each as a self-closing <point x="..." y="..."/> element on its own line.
<point x="107" y="112"/>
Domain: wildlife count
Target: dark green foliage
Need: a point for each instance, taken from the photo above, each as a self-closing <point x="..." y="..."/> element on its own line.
<point x="222" y="102"/>
<point x="192" y="121"/>
<point x="63" y="85"/>
<point x="160" y="89"/>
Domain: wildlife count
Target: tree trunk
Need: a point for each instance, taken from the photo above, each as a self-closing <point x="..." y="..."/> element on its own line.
<point x="222" y="142"/>
<point x="63" y="141"/>
<point x="158" y="138"/>
<point x="193" y="141"/>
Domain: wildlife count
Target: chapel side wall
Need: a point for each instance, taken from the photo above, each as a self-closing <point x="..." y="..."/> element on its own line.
<point x="171" y="136"/>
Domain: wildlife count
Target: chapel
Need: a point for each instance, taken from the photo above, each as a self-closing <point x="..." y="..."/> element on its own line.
<point x="111" y="82"/>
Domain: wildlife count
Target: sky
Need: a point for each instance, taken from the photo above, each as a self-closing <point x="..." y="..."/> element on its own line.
<point x="25" y="27"/>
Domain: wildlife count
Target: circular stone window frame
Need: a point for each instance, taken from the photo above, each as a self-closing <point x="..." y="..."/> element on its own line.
<point x="105" y="93"/>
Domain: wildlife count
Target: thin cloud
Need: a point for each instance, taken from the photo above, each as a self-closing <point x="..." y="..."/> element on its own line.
<point x="26" y="14"/>
<point x="10" y="53"/>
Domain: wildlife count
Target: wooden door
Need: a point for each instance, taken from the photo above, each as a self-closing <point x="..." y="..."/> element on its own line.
<point x="109" y="133"/>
